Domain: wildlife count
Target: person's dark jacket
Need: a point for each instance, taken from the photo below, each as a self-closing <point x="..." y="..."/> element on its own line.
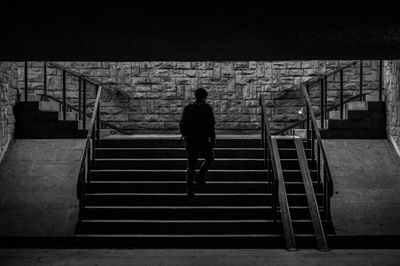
<point x="197" y="121"/>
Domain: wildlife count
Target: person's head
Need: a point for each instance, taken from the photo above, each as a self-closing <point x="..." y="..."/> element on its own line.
<point x="201" y="95"/>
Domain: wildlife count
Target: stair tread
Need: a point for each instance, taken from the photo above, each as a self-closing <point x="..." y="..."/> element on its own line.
<point x="182" y="170"/>
<point x="184" y="182"/>
<point x="176" y="137"/>
<point x="179" y="235"/>
<point x="197" y="195"/>
<point x="183" y="194"/>
<point x="190" y="207"/>
<point x="180" y="182"/>
<point x="179" y="207"/>
<point x="176" y="149"/>
<point x="185" y="221"/>
<point x="174" y="159"/>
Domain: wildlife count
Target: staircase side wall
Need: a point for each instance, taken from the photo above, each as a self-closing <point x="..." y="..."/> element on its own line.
<point x="8" y="97"/>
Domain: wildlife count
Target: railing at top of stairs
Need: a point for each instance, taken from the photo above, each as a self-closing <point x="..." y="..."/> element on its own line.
<point x="83" y="83"/>
<point x="322" y="81"/>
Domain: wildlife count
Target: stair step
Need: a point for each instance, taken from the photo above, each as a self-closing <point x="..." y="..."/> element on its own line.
<point x="175" y="175"/>
<point x="164" y="199"/>
<point x="293" y="164"/>
<point x="189" y="213"/>
<point x="179" y="175"/>
<point x="25" y="116"/>
<point x="175" y="187"/>
<point x="69" y="116"/>
<point x="295" y="175"/>
<point x="358" y="114"/>
<point x="175" y="153"/>
<point x="376" y="106"/>
<point x="335" y="115"/>
<point x="180" y="186"/>
<point x="176" y="163"/>
<point x="174" y="142"/>
<point x="50" y="106"/>
<point x="287" y="153"/>
<point x="27" y="106"/>
<point x="353" y="134"/>
<point x="356" y="124"/>
<point x="357" y="105"/>
<point x="186" y="240"/>
<point x="190" y="226"/>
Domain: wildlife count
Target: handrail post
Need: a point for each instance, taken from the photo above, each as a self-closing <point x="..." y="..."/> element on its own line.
<point x="308" y="119"/>
<point x="84" y="105"/>
<point x="321" y="108"/>
<point x="45" y="80"/>
<point x="89" y="162"/>
<point x="98" y="121"/>
<point x="318" y="164"/>
<point x="361" y="79"/>
<point x="262" y="122"/>
<point x="270" y="177"/>
<point x="64" y="96"/>
<point x="325" y="196"/>
<point x="26" y="80"/>
<point x="312" y="142"/>
<point x="380" y="79"/>
<point x="79" y="98"/>
<point x="326" y="97"/>
<point x="93" y="146"/>
<point x="341" y="94"/>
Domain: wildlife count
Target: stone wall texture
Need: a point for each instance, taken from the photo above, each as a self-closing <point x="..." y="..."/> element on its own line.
<point x="156" y="92"/>
<point x="392" y="95"/>
<point x="8" y="97"/>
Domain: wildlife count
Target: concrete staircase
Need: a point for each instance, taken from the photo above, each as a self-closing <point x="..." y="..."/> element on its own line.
<point x="38" y="118"/>
<point x="137" y="196"/>
<point x="362" y="120"/>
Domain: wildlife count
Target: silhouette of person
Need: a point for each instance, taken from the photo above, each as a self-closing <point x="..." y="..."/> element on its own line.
<point x="197" y="128"/>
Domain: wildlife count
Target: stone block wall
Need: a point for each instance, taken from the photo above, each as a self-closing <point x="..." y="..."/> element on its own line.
<point x="8" y="97"/>
<point x="392" y="95"/>
<point x="156" y="92"/>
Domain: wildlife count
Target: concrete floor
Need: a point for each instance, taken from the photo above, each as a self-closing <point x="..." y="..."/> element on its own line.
<point x="220" y="257"/>
<point x="38" y="187"/>
<point x="366" y="177"/>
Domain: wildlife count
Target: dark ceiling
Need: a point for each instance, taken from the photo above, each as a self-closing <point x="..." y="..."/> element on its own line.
<point x="118" y="32"/>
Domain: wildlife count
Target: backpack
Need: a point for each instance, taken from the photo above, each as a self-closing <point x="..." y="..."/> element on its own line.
<point x="187" y="122"/>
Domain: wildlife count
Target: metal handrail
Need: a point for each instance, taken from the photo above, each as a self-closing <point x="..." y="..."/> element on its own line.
<point x="318" y="113"/>
<point x="328" y="183"/>
<point x="92" y="140"/>
<point x="276" y="183"/>
<point x="93" y="81"/>
<point x="269" y="158"/>
<point x="87" y="115"/>
<point x="323" y="80"/>
<point x="83" y="80"/>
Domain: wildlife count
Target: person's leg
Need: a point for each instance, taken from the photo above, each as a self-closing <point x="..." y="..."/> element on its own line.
<point x="192" y="155"/>
<point x="208" y="154"/>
